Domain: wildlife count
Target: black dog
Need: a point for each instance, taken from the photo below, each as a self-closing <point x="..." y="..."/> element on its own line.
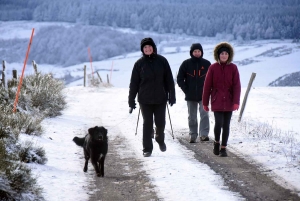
<point x="95" y="147"/>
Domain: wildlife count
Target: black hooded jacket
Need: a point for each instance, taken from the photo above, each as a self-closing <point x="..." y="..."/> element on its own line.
<point x="152" y="79"/>
<point x="191" y="75"/>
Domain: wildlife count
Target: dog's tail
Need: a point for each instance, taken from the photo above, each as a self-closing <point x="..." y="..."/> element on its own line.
<point x="79" y="141"/>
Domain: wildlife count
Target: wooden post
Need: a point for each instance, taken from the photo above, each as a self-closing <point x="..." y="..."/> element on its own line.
<point x="3" y="75"/>
<point x="84" y="75"/>
<point x="4" y="81"/>
<point x="34" y="66"/>
<point x="107" y="79"/>
<point x="246" y="96"/>
<point x="14" y="73"/>
<point x="99" y="77"/>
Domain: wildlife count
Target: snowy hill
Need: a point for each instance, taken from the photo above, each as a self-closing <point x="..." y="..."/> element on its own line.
<point x="269" y="59"/>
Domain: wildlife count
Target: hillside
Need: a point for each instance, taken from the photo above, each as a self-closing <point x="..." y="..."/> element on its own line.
<point x="288" y="80"/>
<point x="243" y="20"/>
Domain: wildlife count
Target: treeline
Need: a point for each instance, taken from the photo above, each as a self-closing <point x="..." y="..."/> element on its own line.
<point x="248" y="19"/>
<point x="67" y="46"/>
<point x="288" y="80"/>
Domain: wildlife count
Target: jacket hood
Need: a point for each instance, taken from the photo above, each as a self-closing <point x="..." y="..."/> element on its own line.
<point x="148" y="41"/>
<point x="196" y="46"/>
<point x="224" y="45"/>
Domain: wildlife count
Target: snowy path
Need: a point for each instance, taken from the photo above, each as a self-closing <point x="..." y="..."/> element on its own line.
<point x="175" y="173"/>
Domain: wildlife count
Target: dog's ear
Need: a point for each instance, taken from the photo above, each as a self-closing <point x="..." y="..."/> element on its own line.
<point x="91" y="130"/>
<point x="104" y="130"/>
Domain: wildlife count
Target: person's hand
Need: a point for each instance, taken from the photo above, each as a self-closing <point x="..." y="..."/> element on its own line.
<point x="130" y="110"/>
<point x="171" y="102"/>
<point x="236" y="107"/>
<point x="132" y="104"/>
<point x="206" y="108"/>
<point x="172" y="99"/>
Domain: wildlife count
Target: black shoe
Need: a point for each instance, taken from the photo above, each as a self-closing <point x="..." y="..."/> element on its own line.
<point x="147" y="154"/>
<point x="216" y="148"/>
<point x="193" y="138"/>
<point x="204" y="138"/>
<point x="223" y="152"/>
<point x="162" y="146"/>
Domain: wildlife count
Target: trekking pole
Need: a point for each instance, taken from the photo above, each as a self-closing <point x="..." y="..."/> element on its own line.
<point x="170" y="121"/>
<point x="137" y="123"/>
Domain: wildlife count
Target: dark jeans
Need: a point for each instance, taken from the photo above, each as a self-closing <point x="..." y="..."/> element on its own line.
<point x="159" y="113"/>
<point x="222" y="122"/>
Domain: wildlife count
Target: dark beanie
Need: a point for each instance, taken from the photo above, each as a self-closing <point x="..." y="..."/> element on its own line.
<point x="196" y="46"/>
<point x="148" y="41"/>
<point x="222" y="49"/>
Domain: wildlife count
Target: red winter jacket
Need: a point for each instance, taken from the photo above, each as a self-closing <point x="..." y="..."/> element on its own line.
<point x="223" y="87"/>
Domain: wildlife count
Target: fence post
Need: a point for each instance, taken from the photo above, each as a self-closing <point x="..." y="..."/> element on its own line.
<point x="246" y="96"/>
<point x="99" y="76"/>
<point x="107" y="79"/>
<point x="14" y="73"/>
<point x="34" y="66"/>
<point x="4" y="81"/>
<point x="3" y="74"/>
<point x="84" y="75"/>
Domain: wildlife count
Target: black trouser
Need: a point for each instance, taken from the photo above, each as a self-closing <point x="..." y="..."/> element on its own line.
<point x="222" y="121"/>
<point x="159" y="113"/>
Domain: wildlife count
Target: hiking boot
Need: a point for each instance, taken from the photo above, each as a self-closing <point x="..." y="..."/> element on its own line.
<point x="193" y="138"/>
<point x="147" y="154"/>
<point x="162" y="146"/>
<point x="223" y="152"/>
<point x="216" y="148"/>
<point x="204" y="138"/>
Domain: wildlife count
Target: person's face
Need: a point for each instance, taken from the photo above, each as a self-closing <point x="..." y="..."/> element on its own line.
<point x="197" y="53"/>
<point x="224" y="57"/>
<point x="148" y="49"/>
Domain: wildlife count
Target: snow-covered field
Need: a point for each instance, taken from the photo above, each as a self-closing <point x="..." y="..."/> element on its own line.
<point x="266" y="106"/>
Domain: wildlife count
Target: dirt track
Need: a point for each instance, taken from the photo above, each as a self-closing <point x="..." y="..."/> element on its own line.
<point x="124" y="179"/>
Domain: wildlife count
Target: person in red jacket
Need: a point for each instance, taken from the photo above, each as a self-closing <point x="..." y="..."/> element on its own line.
<point x="222" y="87"/>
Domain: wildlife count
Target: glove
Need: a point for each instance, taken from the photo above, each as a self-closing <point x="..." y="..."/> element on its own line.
<point x="172" y="102"/>
<point x="132" y="106"/>
<point x="172" y="99"/>
<point x="206" y="108"/>
<point x="235" y="107"/>
<point x="130" y="110"/>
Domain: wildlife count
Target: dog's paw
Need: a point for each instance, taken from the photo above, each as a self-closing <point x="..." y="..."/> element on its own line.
<point x="84" y="169"/>
<point x="99" y="175"/>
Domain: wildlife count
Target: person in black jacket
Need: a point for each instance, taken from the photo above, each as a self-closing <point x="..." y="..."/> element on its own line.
<point x="153" y="81"/>
<point x="190" y="79"/>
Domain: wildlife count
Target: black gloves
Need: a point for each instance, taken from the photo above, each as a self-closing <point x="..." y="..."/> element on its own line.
<point x="172" y="102"/>
<point x="172" y="99"/>
<point x="132" y="106"/>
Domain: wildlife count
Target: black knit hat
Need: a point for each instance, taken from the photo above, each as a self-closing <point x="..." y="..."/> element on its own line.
<point x="196" y="46"/>
<point x="222" y="49"/>
<point x="148" y="41"/>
